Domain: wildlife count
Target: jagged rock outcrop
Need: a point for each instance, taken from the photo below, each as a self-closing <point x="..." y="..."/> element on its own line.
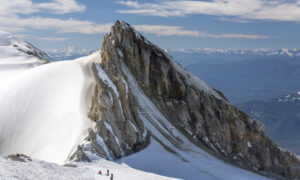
<point x="133" y="70"/>
<point x="33" y="51"/>
<point x="19" y="157"/>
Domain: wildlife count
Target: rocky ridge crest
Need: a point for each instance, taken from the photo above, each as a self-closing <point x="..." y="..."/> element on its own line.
<point x="139" y="86"/>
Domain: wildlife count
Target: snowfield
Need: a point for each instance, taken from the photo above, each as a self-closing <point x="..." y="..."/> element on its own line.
<point x="45" y="107"/>
<point x="43" y="115"/>
<point x="41" y="170"/>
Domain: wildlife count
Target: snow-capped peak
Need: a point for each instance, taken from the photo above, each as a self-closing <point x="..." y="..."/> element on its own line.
<point x="70" y="52"/>
<point x="294" y="97"/>
<point x="285" y="52"/>
<point x="12" y="46"/>
<point x="6" y="39"/>
<point x="17" y="55"/>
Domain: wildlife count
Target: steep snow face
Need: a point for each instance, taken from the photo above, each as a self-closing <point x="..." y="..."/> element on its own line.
<point x="43" y="110"/>
<point x="198" y="165"/>
<point x="181" y="157"/>
<point x="17" y="55"/>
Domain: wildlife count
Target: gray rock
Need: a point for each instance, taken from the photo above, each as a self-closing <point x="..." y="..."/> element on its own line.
<point x="19" y="157"/>
<point x="201" y="113"/>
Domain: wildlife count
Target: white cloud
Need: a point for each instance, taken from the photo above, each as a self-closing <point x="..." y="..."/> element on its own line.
<point x="22" y="36"/>
<point x="53" y="39"/>
<point x="58" y="25"/>
<point x="233" y="20"/>
<point x="14" y="7"/>
<point x="88" y="27"/>
<point x="279" y="10"/>
<point x="180" y="31"/>
<point x="165" y="30"/>
<point x="11" y="20"/>
<point x="61" y="6"/>
<point x="12" y="29"/>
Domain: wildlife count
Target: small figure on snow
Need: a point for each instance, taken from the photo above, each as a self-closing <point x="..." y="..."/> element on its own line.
<point x="99" y="172"/>
<point x="107" y="172"/>
<point x="112" y="177"/>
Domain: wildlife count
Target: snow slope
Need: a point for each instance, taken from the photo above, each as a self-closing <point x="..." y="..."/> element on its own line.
<point x="45" y="107"/>
<point x="44" y="115"/>
<point x="17" y="55"/>
<point x="153" y="163"/>
<point x="185" y="160"/>
<point x="13" y="170"/>
<point x="198" y="165"/>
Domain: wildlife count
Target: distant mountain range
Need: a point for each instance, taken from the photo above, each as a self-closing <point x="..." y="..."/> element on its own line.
<point x="207" y="55"/>
<point x="242" y="79"/>
<point x="261" y="52"/>
<point x="281" y="117"/>
<point x="71" y="52"/>
<point x="191" y="56"/>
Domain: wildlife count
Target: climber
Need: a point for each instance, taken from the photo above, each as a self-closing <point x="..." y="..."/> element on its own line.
<point x="107" y="173"/>
<point x="99" y="172"/>
<point x="112" y="177"/>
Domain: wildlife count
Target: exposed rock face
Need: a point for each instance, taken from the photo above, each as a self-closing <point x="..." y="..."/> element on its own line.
<point x="131" y="64"/>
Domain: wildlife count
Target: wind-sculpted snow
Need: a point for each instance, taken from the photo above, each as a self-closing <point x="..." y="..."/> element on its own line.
<point x="43" y="110"/>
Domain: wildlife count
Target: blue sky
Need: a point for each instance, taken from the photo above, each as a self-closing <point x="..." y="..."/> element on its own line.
<point x="170" y="24"/>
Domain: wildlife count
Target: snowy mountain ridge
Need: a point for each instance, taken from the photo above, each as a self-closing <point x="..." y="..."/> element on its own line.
<point x="281" y="117"/>
<point x="284" y="52"/>
<point x="131" y="103"/>
<point x="17" y="56"/>
<point x="290" y="97"/>
<point x="72" y="52"/>
<point x="10" y="46"/>
<point x="68" y="53"/>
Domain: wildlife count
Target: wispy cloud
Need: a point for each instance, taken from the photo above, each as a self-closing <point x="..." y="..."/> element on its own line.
<point x="53" y="39"/>
<point x="278" y="10"/>
<point x="233" y="20"/>
<point x="11" y="19"/>
<point x="22" y="36"/>
<point x="14" y="7"/>
<point x="88" y="27"/>
<point x="61" y="6"/>
<point x="12" y="29"/>
<point x="180" y="31"/>
<point x="58" y="25"/>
